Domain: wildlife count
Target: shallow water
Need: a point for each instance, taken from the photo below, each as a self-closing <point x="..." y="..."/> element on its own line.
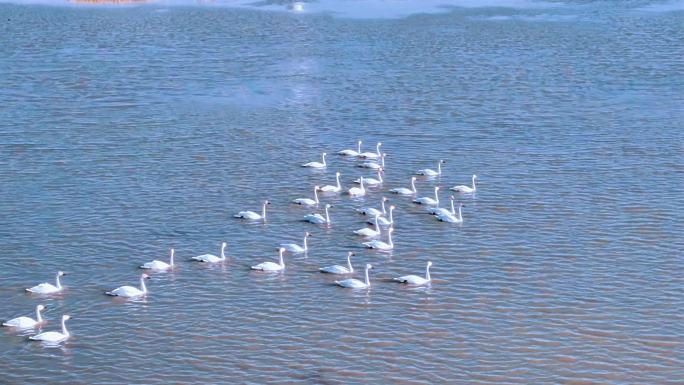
<point x="125" y="131"/>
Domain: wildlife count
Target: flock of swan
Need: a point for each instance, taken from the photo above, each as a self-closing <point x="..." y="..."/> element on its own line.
<point x="382" y="218"/>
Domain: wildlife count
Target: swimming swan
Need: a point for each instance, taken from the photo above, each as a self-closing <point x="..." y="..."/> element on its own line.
<point x="428" y="200"/>
<point x="316" y="164"/>
<point x="295" y="248"/>
<point x="404" y="190"/>
<point x="330" y="188"/>
<point x="430" y="172"/>
<point x="26" y="322"/>
<point x="252" y="215"/>
<point x="366" y="232"/>
<point x="466" y="189"/>
<point x="372" y="211"/>
<point x="380" y="245"/>
<point x="352" y="152"/>
<point x="54" y="336"/>
<point x="354" y="283"/>
<point x="48" y="288"/>
<point x="159" y="265"/>
<point x="337" y="269"/>
<point x="308" y="201"/>
<point x="415" y="279"/>
<point x="372" y="181"/>
<point x="272" y="266"/>
<point x="211" y="258"/>
<point x="318" y="218"/>
<point x="357" y="191"/>
<point x="372" y="155"/>
<point x="130" y="291"/>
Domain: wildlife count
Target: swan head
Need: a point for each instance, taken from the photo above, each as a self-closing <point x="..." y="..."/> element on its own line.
<point x="391" y="230"/>
<point x="223" y="245"/>
<point x="337" y="173"/>
<point x="429" y="263"/>
<point x="359" y="142"/>
<point x="267" y="202"/>
<point x="316" y="188"/>
<point x="385" y="199"/>
<point x="351" y="254"/>
<point x="436" y="188"/>
<point x="392" y="207"/>
<point x="145" y="276"/>
<point x="61" y="273"/>
<point x="281" y="250"/>
<point x="442" y="161"/>
<point x="40" y="307"/>
<point x="325" y="153"/>
<point x="369" y="266"/>
<point x="451" y="197"/>
<point x="66" y="317"/>
<point x="474" y="176"/>
<point x="328" y="205"/>
<point x="413" y="179"/>
<point x="307" y="234"/>
<point x="379" y="144"/>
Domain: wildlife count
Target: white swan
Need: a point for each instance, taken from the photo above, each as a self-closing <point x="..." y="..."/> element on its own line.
<point x="308" y="201"/>
<point x="130" y="291"/>
<point x="26" y="322"/>
<point x="211" y="258"/>
<point x="159" y="265"/>
<point x="380" y="245"/>
<point x="337" y="269"/>
<point x="317" y="218"/>
<point x="331" y="188"/>
<point x="252" y="215"/>
<point x="428" y="200"/>
<point x="48" y="288"/>
<point x="357" y="191"/>
<point x="295" y="248"/>
<point x="375" y="165"/>
<point x="366" y="232"/>
<point x="354" y="283"/>
<point x="441" y="210"/>
<point x="444" y="217"/>
<point x="316" y="164"/>
<point x="466" y="189"/>
<point x="430" y="172"/>
<point x="415" y="279"/>
<point x="372" y="155"/>
<point x="54" y="336"/>
<point x="383" y="220"/>
<point x="373" y="211"/>
<point x="406" y="191"/>
<point x="372" y="181"/>
<point x="352" y="152"/>
<point x="272" y="266"/>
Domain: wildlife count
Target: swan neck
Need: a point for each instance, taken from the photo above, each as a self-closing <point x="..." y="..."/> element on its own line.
<point x="39" y="318"/>
<point x="358" y="147"/>
<point x="323" y="156"/>
<point x="327" y="216"/>
<point x="337" y="177"/>
<point x="223" y="249"/>
<point x="460" y="216"/>
<point x="382" y="161"/>
<point x="436" y="196"/>
<point x="315" y="196"/>
<point x="377" y="226"/>
<point x="349" y="265"/>
<point x="306" y="247"/>
<point x="427" y="272"/>
<point x="439" y="168"/>
<point x="377" y="150"/>
<point x="389" y="236"/>
<point x="391" y="215"/>
<point x="383" y="207"/>
<point x="367" y="279"/>
<point x="59" y="284"/>
<point x="263" y="211"/>
<point x="142" y="285"/>
<point x="413" y="186"/>
<point x="473" y="182"/>
<point x="171" y="258"/>
<point x="453" y="210"/>
<point x="280" y="255"/>
<point x="64" y="329"/>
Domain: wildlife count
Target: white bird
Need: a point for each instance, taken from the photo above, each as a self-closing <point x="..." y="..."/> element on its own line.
<point x="337" y="269"/>
<point x="159" y="265"/>
<point x="415" y="279"/>
<point x="211" y="258"/>
<point x="308" y="201"/>
<point x="316" y="164"/>
<point x="295" y="248"/>
<point x="26" y="322"/>
<point x="318" y="218"/>
<point x="372" y="155"/>
<point x="444" y="217"/>
<point x="352" y="152"/>
<point x="375" y="165"/>
<point x="406" y="191"/>
<point x="373" y="211"/>
<point x="130" y="291"/>
<point x="430" y="172"/>
<point x="252" y="215"/>
<point x="357" y="191"/>
<point x="441" y="210"/>
<point x="354" y="283"/>
<point x="366" y="232"/>
<point x="372" y="181"/>
<point x="272" y="266"/>
<point x="383" y="220"/>
<point x="466" y="189"/>
<point x="48" y="288"/>
<point x="380" y="245"/>
<point x="428" y="200"/>
<point x="54" y="337"/>
<point x="331" y="188"/>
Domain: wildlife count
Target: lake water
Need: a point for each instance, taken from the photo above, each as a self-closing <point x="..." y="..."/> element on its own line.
<point x="127" y="130"/>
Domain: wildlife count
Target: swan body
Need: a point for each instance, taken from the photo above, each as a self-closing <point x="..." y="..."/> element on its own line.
<point x="375" y="165"/>
<point x="54" y="336"/>
<point x="416" y="279"/>
<point x="372" y="181"/>
<point x="26" y="322"/>
<point x="295" y="248"/>
<point x="130" y="291"/>
<point x="318" y="218"/>
<point x="372" y="211"/>
<point x="442" y="210"/>
<point x="48" y="288"/>
<point x="330" y="188"/>
<point x="337" y="269"/>
<point x="372" y="155"/>
<point x="430" y="172"/>
<point x="380" y="245"/>
<point x="211" y="258"/>
<point x="316" y="164"/>
<point x="466" y="189"/>
<point x="357" y="191"/>
<point x="366" y="232"/>
<point x="404" y="190"/>
<point x="354" y="283"/>
<point x="272" y="266"/>
<point x="159" y="265"/>
<point x="252" y="215"/>
<point x="383" y="220"/>
<point x="352" y="152"/>
<point x="308" y="201"/>
<point x="451" y="218"/>
<point x="427" y="200"/>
